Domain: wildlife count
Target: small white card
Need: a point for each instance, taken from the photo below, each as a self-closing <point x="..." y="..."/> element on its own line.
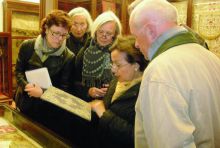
<point x="40" y="77"/>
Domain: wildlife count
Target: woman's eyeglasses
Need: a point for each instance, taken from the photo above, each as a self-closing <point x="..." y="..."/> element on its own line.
<point x="117" y="66"/>
<point x="79" y="25"/>
<point x="58" y="34"/>
<point x="105" y="33"/>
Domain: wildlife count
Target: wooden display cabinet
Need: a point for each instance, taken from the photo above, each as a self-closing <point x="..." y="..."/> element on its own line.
<point x="22" y="20"/>
<point x="5" y="68"/>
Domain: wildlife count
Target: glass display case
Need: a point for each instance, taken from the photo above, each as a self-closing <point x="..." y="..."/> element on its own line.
<point x="5" y="67"/>
<point x="17" y="131"/>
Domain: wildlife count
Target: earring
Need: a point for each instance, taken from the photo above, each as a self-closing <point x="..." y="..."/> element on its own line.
<point x="136" y="67"/>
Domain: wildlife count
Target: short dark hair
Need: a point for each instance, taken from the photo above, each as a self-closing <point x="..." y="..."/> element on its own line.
<point x="126" y="44"/>
<point x="55" y="17"/>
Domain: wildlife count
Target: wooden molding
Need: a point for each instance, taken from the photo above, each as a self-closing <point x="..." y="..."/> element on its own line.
<point x="93" y="9"/>
<point x="42" y="10"/>
<point x="189" y="13"/>
<point x="21" y="5"/>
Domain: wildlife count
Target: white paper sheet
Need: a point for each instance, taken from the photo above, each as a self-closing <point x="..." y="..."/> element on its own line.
<point x="40" y="77"/>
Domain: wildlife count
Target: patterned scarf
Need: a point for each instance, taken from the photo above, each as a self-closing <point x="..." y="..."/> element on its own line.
<point x="96" y="65"/>
<point x="43" y="51"/>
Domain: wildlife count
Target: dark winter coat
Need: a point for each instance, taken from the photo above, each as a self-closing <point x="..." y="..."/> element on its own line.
<point x="78" y="47"/>
<point x="58" y="68"/>
<point x="116" y="126"/>
<point x="75" y="45"/>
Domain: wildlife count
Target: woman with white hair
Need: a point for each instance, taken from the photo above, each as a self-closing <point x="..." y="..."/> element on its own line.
<point x="78" y="41"/>
<point x="80" y="30"/>
<point x="96" y="72"/>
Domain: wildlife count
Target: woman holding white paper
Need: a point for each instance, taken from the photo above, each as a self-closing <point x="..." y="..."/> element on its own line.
<point x="47" y="50"/>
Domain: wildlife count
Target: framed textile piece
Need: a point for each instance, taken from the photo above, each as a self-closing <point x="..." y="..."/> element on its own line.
<point x="182" y="11"/>
<point x="68" y="102"/>
<point x="203" y="16"/>
<point x="206" y="21"/>
<point x="25" y="24"/>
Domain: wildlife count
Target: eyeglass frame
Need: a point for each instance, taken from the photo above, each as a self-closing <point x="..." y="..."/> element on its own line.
<point x="58" y="34"/>
<point x="81" y="26"/>
<point x="118" y="66"/>
<point x="105" y="33"/>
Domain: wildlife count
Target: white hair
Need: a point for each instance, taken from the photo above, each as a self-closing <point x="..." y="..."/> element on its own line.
<point x="154" y="10"/>
<point x="104" y="18"/>
<point x="82" y="12"/>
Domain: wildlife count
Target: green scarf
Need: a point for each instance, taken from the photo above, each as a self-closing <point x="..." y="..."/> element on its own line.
<point x="178" y="39"/>
<point x="96" y="65"/>
<point x="43" y="51"/>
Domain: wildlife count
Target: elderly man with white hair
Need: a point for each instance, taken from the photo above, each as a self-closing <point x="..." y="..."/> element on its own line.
<point x="179" y="100"/>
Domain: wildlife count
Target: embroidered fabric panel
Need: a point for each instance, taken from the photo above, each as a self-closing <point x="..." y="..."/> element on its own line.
<point x="206" y="21"/>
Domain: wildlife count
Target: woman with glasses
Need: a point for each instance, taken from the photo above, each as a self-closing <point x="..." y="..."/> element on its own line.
<point x="112" y="122"/>
<point x="78" y="41"/>
<point x="116" y="112"/>
<point x="96" y="72"/>
<point x="47" y="50"/>
<point x="80" y="30"/>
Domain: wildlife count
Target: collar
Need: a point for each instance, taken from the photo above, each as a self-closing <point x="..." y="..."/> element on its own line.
<point x="162" y="38"/>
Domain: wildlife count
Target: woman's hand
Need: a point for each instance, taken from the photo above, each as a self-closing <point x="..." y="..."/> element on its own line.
<point x="33" y="90"/>
<point x="98" y="107"/>
<point x="95" y="92"/>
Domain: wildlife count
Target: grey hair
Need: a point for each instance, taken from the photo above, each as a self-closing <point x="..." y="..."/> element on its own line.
<point x="82" y="12"/>
<point x="154" y="10"/>
<point x="104" y="18"/>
